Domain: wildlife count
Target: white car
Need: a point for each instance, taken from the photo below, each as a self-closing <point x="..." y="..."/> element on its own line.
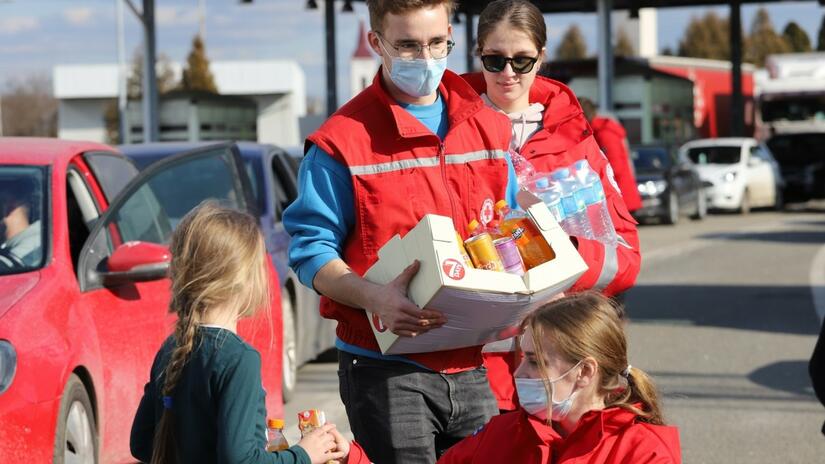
<point x="738" y="173"/>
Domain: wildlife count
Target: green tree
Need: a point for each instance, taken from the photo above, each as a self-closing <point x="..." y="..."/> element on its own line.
<point x="572" y="45"/>
<point x="706" y="37"/>
<point x="623" y="46"/>
<point x="763" y="40"/>
<point x="196" y="74"/>
<point x="820" y="42"/>
<point x="796" y="38"/>
<point x="165" y="76"/>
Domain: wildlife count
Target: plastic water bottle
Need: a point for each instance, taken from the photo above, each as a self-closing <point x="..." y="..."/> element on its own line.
<point x="597" y="212"/>
<point x="575" y="221"/>
<point x="275" y="436"/>
<point x="524" y="169"/>
<point x="550" y="193"/>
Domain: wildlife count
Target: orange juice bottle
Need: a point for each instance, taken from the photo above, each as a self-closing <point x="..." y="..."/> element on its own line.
<point x="531" y="244"/>
<point x="275" y="434"/>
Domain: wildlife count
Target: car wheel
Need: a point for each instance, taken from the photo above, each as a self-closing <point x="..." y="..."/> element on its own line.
<point x="778" y="199"/>
<point x="290" y="350"/>
<point x="76" y="436"/>
<point x="672" y="216"/>
<point x="701" y="206"/>
<point x="745" y="206"/>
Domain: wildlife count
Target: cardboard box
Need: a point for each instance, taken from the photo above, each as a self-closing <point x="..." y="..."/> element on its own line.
<point x="481" y="306"/>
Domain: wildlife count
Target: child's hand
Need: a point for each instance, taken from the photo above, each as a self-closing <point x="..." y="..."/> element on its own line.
<point x="341" y="445"/>
<point x="320" y="445"/>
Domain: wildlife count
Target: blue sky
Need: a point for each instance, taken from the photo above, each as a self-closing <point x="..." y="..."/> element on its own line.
<point x="37" y="34"/>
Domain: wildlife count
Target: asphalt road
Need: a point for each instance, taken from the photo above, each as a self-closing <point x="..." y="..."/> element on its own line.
<point x="723" y="316"/>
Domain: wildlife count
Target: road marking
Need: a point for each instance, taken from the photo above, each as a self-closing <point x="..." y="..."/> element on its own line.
<point x="817" y="278"/>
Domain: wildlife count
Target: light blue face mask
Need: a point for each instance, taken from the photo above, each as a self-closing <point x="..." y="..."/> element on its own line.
<point x="419" y="77"/>
<point x="533" y="397"/>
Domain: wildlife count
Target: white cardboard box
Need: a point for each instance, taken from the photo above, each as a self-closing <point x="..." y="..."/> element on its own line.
<point x="481" y="306"/>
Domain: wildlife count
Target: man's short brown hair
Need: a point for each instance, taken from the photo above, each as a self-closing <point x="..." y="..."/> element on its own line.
<point x="380" y="8"/>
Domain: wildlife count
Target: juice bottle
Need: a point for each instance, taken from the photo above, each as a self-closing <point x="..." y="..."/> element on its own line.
<point x="531" y="244"/>
<point x="275" y="434"/>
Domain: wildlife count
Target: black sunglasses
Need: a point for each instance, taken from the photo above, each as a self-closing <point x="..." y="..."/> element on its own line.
<point x="520" y="64"/>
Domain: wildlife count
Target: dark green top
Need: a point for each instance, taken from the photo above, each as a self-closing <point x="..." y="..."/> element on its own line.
<point x="218" y="405"/>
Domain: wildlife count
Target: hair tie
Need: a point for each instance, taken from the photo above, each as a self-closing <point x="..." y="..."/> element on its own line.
<point x="167" y="402"/>
<point x="626" y="371"/>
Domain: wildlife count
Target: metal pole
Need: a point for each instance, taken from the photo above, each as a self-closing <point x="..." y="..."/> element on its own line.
<point x="332" y="83"/>
<point x="737" y="101"/>
<point x="121" y="74"/>
<point x="150" y="87"/>
<point x="469" y="37"/>
<point x="605" y="53"/>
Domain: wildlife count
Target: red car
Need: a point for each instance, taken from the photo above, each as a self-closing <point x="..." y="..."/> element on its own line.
<point x="84" y="293"/>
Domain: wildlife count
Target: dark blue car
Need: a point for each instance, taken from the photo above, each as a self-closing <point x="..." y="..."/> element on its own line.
<point x="273" y="174"/>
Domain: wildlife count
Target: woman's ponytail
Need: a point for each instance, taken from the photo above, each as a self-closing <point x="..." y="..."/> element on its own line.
<point x="640" y="389"/>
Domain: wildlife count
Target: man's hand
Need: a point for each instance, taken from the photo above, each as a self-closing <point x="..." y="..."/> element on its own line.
<point x="397" y="312"/>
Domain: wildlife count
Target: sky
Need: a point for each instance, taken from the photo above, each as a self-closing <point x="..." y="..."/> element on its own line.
<point x="35" y="35"/>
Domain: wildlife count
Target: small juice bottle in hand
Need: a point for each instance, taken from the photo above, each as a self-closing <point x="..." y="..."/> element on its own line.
<point x="275" y="435"/>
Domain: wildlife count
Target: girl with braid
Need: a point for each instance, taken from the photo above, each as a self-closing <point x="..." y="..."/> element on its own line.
<point x="204" y="401"/>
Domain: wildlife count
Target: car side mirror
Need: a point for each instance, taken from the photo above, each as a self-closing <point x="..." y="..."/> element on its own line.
<point x="136" y="262"/>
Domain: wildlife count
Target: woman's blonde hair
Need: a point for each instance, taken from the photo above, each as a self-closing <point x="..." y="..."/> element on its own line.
<point x="590" y="325"/>
<point x="218" y="260"/>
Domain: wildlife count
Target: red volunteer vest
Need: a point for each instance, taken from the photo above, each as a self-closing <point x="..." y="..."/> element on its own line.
<point x="400" y="172"/>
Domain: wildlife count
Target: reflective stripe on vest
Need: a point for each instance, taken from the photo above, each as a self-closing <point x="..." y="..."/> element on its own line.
<point x="502" y="346"/>
<point x="431" y="162"/>
<point x="609" y="268"/>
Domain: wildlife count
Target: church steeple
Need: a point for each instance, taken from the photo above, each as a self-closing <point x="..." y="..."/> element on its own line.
<point x="363" y="49"/>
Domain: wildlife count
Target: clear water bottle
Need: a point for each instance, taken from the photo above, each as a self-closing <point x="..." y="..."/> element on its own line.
<point x="524" y="169"/>
<point x="550" y="193"/>
<point x="575" y="221"/>
<point x="598" y="214"/>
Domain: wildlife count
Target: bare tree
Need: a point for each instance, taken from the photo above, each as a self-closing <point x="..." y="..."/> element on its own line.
<point x="29" y="108"/>
<point x="572" y="45"/>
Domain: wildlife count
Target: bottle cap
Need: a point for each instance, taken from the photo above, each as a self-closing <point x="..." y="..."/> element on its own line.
<point x="473" y="225"/>
<point x="501" y="204"/>
<point x="275" y="423"/>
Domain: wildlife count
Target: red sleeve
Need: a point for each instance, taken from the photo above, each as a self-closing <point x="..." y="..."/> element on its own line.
<point x="615" y="149"/>
<point x="463" y="451"/>
<point x="611" y="270"/>
<point x="357" y="454"/>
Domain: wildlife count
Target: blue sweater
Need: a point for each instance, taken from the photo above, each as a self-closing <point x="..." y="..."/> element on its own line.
<point x="321" y="218"/>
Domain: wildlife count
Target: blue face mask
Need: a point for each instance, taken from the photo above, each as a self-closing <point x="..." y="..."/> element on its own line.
<point x="418" y="77"/>
<point x="533" y="397"/>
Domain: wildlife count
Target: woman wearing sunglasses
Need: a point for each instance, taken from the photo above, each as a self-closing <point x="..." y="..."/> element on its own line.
<point x="551" y="132"/>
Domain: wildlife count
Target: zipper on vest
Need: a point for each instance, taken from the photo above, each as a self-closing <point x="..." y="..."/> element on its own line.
<point x="442" y="160"/>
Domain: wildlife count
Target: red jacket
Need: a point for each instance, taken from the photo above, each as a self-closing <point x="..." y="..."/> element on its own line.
<point x="612" y="139"/>
<point x="401" y="171"/>
<point x="609" y="436"/>
<point x="564" y="138"/>
<point x="357" y="454"/>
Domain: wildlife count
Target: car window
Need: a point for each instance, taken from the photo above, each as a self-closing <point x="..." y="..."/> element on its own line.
<point x="154" y="203"/>
<point x="112" y="171"/>
<point x="715" y="155"/>
<point x="23" y="210"/>
<point x="285" y="177"/>
<point x="650" y="159"/>
<point x="256" y="178"/>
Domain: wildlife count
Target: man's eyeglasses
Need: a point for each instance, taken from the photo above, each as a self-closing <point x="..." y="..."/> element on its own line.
<point x="520" y="64"/>
<point x="439" y="48"/>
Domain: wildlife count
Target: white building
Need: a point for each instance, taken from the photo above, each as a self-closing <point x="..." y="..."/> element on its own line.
<point x="278" y="87"/>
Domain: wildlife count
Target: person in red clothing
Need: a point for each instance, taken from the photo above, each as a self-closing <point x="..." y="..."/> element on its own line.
<point x="550" y="131"/>
<point x="581" y="401"/>
<point x="612" y="138"/>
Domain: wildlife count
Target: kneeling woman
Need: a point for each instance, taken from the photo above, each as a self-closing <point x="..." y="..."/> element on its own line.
<point x="581" y="401"/>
